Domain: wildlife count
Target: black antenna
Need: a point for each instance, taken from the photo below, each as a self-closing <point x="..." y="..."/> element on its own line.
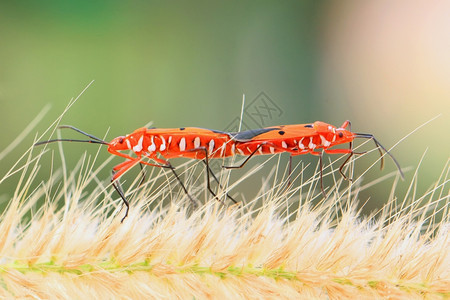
<point x="95" y="140"/>
<point x="379" y="147"/>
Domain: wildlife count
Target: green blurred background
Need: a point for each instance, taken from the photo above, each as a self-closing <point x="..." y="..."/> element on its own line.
<point x="385" y="66"/>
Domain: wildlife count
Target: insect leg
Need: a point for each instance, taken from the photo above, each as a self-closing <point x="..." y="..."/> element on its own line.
<point x="342" y="167"/>
<point x="143" y="174"/>
<point x="290" y="171"/>
<point x="247" y="159"/>
<point x="320" y="155"/>
<point x="348" y="151"/>
<point x="168" y="165"/>
<point x="194" y="203"/>
<point x="118" y="188"/>
<point x="116" y="173"/>
<point x="208" y="169"/>
<point x="292" y="152"/>
<point x="348" y="124"/>
<point x="208" y="186"/>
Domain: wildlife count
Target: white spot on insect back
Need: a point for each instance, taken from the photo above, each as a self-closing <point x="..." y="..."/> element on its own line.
<point x="138" y="147"/>
<point x="334" y="138"/>
<point x="240" y="151"/>
<point x="311" y="145"/>
<point x="182" y="144"/>
<point x="196" y="142"/>
<point x="222" y="149"/>
<point x="128" y="143"/>
<point x="260" y="150"/>
<point x="152" y="147"/>
<point x="163" y="144"/>
<point x="211" y="145"/>
<point x="272" y="150"/>
<point x="233" y="148"/>
<point x="300" y="144"/>
<point x="283" y="144"/>
<point x="325" y="143"/>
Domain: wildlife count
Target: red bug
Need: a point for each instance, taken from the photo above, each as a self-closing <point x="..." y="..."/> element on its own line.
<point x="303" y="139"/>
<point x="189" y="142"/>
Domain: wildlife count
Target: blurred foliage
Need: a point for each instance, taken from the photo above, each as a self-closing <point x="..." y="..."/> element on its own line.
<point x="189" y="63"/>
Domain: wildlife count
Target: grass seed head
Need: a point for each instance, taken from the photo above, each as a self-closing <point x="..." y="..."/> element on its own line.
<point x="279" y="244"/>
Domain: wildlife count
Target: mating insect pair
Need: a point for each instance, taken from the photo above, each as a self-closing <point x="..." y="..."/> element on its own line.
<point x="198" y="143"/>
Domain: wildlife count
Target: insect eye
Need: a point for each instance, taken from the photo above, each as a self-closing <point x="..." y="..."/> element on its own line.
<point x="120" y="140"/>
<point x="340" y="134"/>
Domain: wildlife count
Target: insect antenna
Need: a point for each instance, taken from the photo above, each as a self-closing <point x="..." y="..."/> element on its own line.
<point x="94" y="139"/>
<point x="82" y="132"/>
<point x="379" y="147"/>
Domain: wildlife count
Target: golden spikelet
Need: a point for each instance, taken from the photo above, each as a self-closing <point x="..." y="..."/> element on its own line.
<point x="161" y="251"/>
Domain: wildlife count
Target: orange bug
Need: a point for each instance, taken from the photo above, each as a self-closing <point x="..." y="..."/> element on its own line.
<point x="189" y="142"/>
<point x="303" y="139"/>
